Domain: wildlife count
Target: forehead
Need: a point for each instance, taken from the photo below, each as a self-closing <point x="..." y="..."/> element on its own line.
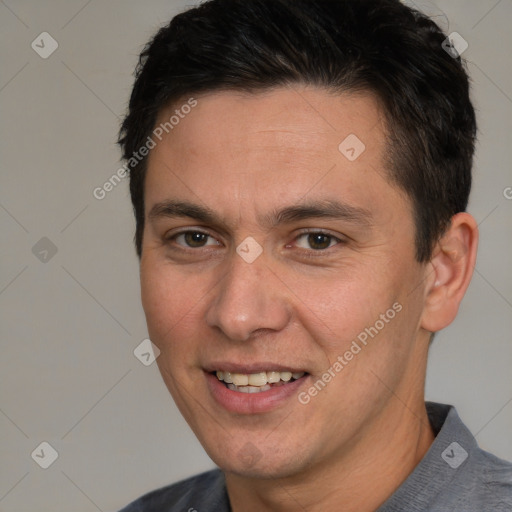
<point x="265" y="147"/>
<point x="291" y="117"/>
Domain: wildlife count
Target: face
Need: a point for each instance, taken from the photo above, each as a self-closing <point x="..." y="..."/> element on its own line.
<point x="270" y="247"/>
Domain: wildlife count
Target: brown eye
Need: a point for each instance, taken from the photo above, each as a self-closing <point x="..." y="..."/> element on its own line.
<point x="317" y="241"/>
<point x="193" y="239"/>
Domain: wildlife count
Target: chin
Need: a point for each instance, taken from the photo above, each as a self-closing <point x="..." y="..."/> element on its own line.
<point x="260" y="472"/>
<point x="249" y="462"/>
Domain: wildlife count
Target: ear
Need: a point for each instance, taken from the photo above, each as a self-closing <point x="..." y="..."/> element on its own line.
<point x="449" y="272"/>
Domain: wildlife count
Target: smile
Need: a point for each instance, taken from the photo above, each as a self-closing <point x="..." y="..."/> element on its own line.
<point x="256" y="382"/>
<point x="255" y="391"/>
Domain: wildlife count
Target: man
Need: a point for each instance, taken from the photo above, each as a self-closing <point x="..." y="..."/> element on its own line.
<point x="299" y="171"/>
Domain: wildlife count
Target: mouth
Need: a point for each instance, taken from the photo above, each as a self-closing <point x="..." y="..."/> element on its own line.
<point x="256" y="382"/>
<point x="252" y="389"/>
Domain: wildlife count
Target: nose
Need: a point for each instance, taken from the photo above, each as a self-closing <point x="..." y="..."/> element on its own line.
<point x="250" y="299"/>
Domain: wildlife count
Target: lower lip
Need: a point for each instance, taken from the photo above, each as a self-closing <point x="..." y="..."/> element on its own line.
<point x="252" y="403"/>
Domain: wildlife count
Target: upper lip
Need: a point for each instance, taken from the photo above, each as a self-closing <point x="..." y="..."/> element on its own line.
<point x="248" y="368"/>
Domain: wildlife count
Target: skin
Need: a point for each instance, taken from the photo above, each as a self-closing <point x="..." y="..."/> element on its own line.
<point x="243" y="156"/>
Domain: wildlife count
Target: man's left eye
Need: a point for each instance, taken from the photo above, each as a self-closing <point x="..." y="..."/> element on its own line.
<point x="318" y="241"/>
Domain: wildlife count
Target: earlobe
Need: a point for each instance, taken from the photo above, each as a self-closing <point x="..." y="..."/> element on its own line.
<point x="451" y="269"/>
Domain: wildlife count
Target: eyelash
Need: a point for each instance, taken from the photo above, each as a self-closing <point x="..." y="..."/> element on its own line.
<point x="310" y="252"/>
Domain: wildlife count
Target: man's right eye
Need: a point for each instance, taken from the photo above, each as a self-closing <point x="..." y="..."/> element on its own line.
<point x="192" y="239"/>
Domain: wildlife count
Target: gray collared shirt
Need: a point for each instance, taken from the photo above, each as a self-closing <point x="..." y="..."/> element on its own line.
<point x="454" y="476"/>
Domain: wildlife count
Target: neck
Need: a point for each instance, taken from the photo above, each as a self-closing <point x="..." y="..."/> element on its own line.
<point x="359" y="479"/>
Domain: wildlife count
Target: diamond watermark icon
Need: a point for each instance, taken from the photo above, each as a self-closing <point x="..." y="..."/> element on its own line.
<point x="454" y="45"/>
<point x="454" y="455"/>
<point x="45" y="455"/>
<point x="44" y="45"/>
<point x="249" y="250"/>
<point x="146" y="352"/>
<point x="44" y="250"/>
<point x="351" y="147"/>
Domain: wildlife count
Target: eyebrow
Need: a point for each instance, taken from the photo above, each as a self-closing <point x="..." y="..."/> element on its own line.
<point x="324" y="209"/>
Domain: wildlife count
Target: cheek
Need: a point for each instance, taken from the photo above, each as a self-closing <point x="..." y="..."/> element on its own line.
<point x="174" y="304"/>
<point x="343" y="304"/>
<point x="163" y="300"/>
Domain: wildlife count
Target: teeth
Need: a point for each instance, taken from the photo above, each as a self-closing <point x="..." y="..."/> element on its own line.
<point x="249" y="389"/>
<point x="255" y="382"/>
<point x="258" y="379"/>
<point x="240" y="379"/>
<point x="286" y="376"/>
<point x="273" y="377"/>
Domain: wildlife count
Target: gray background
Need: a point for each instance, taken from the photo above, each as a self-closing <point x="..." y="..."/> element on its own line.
<point x="70" y="323"/>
